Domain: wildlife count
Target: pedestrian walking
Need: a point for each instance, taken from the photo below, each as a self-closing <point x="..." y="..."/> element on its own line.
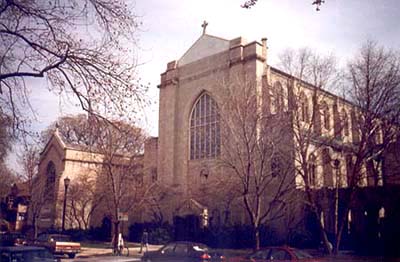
<point x="120" y="244"/>
<point x="145" y="241"/>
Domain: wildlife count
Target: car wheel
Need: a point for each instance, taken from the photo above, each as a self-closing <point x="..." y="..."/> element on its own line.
<point x="71" y="255"/>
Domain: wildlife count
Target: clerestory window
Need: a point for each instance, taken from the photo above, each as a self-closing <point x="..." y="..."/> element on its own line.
<point x="204" y="128"/>
<point x="304" y="111"/>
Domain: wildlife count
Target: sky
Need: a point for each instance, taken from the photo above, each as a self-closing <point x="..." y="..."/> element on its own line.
<point x="170" y="27"/>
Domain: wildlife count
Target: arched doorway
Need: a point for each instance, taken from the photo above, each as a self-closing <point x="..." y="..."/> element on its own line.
<point x="187" y="227"/>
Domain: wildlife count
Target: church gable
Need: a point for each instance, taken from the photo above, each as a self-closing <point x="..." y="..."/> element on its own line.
<point x="205" y="46"/>
<point x="56" y="145"/>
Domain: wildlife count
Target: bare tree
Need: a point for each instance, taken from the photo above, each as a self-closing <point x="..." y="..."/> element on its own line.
<point x="29" y="159"/>
<point x="83" y="201"/>
<point x="370" y="124"/>
<point x="120" y="180"/>
<point x="82" y="48"/>
<point x="374" y="87"/>
<point x="38" y="200"/>
<point x="310" y="121"/>
<point x="251" y="152"/>
<point x="6" y="138"/>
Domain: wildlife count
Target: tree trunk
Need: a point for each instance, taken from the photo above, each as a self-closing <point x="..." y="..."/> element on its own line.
<point x="325" y="241"/>
<point x="34" y="225"/>
<point x="257" y="237"/>
<point x="115" y="237"/>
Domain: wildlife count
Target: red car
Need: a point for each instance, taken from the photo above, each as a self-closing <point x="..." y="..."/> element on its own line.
<point x="276" y="254"/>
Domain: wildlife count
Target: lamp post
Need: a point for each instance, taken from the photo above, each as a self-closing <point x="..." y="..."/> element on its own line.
<point x="336" y="164"/>
<point x="66" y="184"/>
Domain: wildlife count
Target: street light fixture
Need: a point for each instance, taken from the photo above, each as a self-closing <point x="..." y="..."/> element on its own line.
<point x="66" y="184"/>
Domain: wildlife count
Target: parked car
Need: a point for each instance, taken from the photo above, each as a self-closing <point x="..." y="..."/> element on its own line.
<point x="58" y="244"/>
<point x="183" y="251"/>
<point x="12" y="239"/>
<point x="25" y="254"/>
<point x="276" y="254"/>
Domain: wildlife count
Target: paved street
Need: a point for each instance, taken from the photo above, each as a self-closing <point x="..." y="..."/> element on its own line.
<point x="104" y="254"/>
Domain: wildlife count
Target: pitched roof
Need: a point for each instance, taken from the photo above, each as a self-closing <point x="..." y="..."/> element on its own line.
<point x="206" y="45"/>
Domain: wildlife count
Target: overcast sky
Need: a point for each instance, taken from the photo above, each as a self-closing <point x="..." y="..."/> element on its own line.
<point x="170" y="27"/>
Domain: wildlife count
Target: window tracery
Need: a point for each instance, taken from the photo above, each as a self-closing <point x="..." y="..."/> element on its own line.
<point x="204" y="128"/>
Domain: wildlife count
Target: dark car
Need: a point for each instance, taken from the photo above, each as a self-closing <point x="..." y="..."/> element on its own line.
<point x="58" y="244"/>
<point x="12" y="239"/>
<point x="182" y="251"/>
<point x="283" y="253"/>
<point x="25" y="254"/>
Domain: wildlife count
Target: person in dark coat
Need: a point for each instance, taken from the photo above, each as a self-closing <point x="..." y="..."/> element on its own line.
<point x="145" y="241"/>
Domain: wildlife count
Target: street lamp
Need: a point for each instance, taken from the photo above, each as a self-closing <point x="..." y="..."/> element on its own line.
<point x="66" y="184"/>
<point x="336" y="164"/>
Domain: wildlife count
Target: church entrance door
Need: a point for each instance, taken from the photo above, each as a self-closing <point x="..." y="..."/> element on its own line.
<point x="187" y="228"/>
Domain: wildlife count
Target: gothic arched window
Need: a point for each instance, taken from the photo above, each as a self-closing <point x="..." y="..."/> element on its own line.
<point x="327" y="167"/>
<point x="304" y="112"/>
<point x="50" y="180"/>
<point x="204" y="128"/>
<point x="312" y="171"/>
<point x="277" y="101"/>
<point x="345" y="123"/>
<point x="326" y="118"/>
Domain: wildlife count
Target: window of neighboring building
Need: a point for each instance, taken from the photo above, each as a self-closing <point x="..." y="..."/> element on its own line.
<point x="304" y="111"/>
<point x="204" y="128"/>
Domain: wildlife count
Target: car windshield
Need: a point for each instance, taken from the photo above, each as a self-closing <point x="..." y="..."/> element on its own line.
<point x="301" y="254"/>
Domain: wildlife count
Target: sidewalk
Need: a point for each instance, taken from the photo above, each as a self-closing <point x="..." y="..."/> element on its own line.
<point x="95" y="251"/>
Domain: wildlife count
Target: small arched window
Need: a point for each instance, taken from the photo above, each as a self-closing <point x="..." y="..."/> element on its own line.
<point x="312" y="171"/>
<point x="204" y="173"/>
<point x="326" y="118"/>
<point x="204" y="128"/>
<point x="277" y="100"/>
<point x="304" y="110"/>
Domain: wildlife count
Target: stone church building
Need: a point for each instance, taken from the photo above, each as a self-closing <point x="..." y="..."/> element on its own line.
<point x="181" y="167"/>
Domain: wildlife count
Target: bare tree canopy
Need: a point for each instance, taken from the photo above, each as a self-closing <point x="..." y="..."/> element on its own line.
<point x="319" y="70"/>
<point x="97" y="135"/>
<point x="374" y="77"/>
<point x="6" y="176"/>
<point x="5" y="136"/>
<point x="250" y="3"/>
<point x="82" y="48"/>
<point x="371" y="82"/>
<point x="252" y="150"/>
